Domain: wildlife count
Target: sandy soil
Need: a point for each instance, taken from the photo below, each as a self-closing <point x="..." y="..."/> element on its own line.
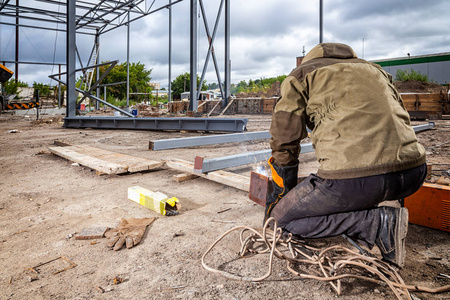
<point x="45" y="200"/>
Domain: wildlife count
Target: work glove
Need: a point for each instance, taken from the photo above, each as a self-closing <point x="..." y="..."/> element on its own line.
<point x="283" y="180"/>
<point x="129" y="232"/>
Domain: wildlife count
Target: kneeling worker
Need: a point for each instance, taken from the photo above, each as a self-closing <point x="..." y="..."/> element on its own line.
<point x="364" y="142"/>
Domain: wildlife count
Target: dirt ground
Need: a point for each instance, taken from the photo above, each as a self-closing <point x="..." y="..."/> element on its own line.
<point x="45" y="201"/>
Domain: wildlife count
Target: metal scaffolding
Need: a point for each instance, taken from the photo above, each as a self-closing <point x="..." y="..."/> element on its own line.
<point x="97" y="17"/>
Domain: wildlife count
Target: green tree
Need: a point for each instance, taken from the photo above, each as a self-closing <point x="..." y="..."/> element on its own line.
<point x="139" y="79"/>
<point x="183" y="84"/>
<point x="12" y="85"/>
<point x="44" y="89"/>
<point x="213" y="86"/>
<point x="404" y="75"/>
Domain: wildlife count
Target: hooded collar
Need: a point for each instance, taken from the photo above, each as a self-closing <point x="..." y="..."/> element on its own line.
<point x="330" y="50"/>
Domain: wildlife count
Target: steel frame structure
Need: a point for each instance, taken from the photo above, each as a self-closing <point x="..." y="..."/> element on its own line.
<point x="96" y="17"/>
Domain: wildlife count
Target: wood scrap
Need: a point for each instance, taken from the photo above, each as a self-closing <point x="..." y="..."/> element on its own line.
<point x="184" y="177"/>
<point x="227" y="178"/>
<point x="213" y="109"/>
<point x="227" y="107"/>
<point x="91" y="233"/>
<point x="443" y="180"/>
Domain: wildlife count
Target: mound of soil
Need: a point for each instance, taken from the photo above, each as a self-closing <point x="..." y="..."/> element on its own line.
<point x="414" y="86"/>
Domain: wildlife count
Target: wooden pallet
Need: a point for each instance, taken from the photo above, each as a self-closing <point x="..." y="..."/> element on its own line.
<point x="104" y="161"/>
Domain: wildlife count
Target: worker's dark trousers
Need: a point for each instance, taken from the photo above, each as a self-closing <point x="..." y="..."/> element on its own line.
<point x="318" y="207"/>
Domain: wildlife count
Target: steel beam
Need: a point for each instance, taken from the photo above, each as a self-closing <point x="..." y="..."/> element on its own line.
<point x="208" y="140"/>
<point x="176" y="124"/>
<point x="202" y="165"/>
<point x="419" y="128"/>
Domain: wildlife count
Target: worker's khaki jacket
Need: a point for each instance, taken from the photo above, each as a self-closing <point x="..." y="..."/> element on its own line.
<point x="359" y="124"/>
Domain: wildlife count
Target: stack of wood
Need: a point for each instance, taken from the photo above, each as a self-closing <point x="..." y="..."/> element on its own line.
<point x="426" y="106"/>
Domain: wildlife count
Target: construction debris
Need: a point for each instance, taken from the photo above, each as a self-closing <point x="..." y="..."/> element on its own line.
<point x="92" y="233"/>
<point x="36" y="269"/>
<point x="182" y="177"/>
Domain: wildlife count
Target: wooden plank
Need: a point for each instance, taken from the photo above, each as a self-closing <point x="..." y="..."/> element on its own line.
<point x="227" y="178"/>
<point x="213" y="109"/>
<point x="184" y="177"/>
<point x="104" y="161"/>
<point x="133" y="164"/>
<point x="88" y="161"/>
<point x="227" y="107"/>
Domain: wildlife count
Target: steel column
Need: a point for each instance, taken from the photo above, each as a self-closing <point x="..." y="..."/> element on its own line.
<point x="321" y="21"/>
<point x="70" y="58"/>
<point x="128" y="61"/>
<point x="227" y="54"/>
<point x="97" y="77"/>
<point x="193" y="58"/>
<point x="16" y="75"/>
<point x="170" y="51"/>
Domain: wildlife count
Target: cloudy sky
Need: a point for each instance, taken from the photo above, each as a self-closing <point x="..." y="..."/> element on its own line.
<point x="266" y="36"/>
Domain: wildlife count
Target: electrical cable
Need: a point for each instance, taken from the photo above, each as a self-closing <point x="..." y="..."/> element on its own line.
<point x="331" y="264"/>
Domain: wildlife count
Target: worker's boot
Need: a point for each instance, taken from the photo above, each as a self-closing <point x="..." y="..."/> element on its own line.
<point x="391" y="234"/>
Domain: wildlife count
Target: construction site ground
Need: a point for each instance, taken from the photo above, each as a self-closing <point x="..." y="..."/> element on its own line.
<point x="45" y="201"/>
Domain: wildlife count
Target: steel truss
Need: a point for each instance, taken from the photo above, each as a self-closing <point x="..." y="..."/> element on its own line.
<point x="96" y="17"/>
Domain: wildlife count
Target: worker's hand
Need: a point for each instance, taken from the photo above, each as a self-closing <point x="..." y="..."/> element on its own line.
<point x="129" y="232"/>
<point x="283" y="180"/>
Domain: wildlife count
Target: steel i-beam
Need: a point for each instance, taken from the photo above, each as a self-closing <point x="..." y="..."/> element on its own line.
<point x="176" y="124"/>
<point x="208" y="140"/>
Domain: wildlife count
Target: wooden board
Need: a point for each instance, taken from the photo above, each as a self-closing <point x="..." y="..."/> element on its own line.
<point x="104" y="161"/>
<point x="184" y="177"/>
<point x="227" y="178"/>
